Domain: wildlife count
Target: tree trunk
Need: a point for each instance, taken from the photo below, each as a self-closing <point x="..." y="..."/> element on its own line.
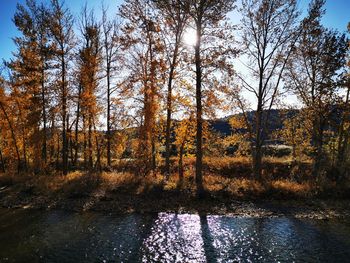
<point x="84" y="142"/>
<point x="98" y="151"/>
<point x="76" y="136"/>
<point x="90" y="162"/>
<point x="44" y="147"/>
<point x="181" y="168"/>
<point x="69" y="141"/>
<point x="147" y="145"/>
<point x="24" y="142"/>
<point x="2" y="162"/>
<point x="257" y="153"/>
<point x="108" y="115"/>
<point x="169" y="111"/>
<point x="13" y="137"/>
<point x="64" y="116"/>
<point x="58" y="152"/>
<point x="51" y="146"/>
<point x="71" y="150"/>
<point x="154" y="153"/>
<point x="52" y="137"/>
<point x="317" y="143"/>
<point x="199" y="135"/>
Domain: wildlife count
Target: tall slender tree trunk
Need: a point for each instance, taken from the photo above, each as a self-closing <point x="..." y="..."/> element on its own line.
<point x="24" y="142"/>
<point x="199" y="135"/>
<point x="90" y="161"/>
<point x="64" y="116"/>
<point x="169" y="111"/>
<point x="68" y="140"/>
<point x="71" y="150"/>
<point x="84" y="141"/>
<point x="257" y="151"/>
<point x="152" y="108"/>
<point x="43" y="101"/>
<point x="154" y="153"/>
<point x="108" y="115"/>
<point x="58" y="152"/>
<point x="317" y="143"/>
<point x="13" y="136"/>
<point x="52" y="137"/>
<point x="98" y="149"/>
<point x="2" y="162"/>
<point x="76" y="135"/>
<point x="147" y="145"/>
<point x="181" y="166"/>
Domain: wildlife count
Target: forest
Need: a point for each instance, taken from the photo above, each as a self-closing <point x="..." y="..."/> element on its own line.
<point x="124" y="107"/>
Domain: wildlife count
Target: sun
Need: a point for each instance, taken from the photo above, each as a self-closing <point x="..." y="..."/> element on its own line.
<point x="190" y="37"/>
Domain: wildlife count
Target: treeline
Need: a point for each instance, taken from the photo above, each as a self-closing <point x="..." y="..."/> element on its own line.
<point x="78" y="87"/>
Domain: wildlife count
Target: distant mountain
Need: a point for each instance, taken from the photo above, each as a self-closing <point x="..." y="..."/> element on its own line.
<point x="276" y="119"/>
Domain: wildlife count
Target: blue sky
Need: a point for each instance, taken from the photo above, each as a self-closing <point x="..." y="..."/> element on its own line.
<point x="8" y="29"/>
<point x="337" y="16"/>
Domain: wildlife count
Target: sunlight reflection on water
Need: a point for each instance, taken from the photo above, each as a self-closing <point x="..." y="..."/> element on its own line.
<point x="58" y="236"/>
<point x="175" y="238"/>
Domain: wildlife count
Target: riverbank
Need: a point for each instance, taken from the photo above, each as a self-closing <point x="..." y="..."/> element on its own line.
<point x="125" y="193"/>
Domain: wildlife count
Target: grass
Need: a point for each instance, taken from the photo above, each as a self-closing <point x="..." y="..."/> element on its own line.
<point x="224" y="178"/>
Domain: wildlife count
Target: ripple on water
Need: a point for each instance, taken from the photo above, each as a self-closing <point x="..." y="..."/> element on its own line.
<point x="54" y="236"/>
<point x="174" y="238"/>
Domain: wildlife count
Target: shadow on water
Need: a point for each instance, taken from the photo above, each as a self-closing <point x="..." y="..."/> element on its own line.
<point x="58" y="236"/>
<point x="334" y="246"/>
<point x="208" y="240"/>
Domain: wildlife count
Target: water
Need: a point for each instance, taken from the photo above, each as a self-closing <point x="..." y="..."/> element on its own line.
<point x="58" y="236"/>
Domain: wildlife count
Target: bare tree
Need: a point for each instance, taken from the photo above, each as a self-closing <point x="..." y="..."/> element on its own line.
<point x="313" y="72"/>
<point x="111" y="46"/>
<point x="268" y="35"/>
<point x="206" y="14"/>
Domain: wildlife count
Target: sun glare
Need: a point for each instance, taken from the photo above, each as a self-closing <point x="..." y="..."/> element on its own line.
<point x="190" y="37"/>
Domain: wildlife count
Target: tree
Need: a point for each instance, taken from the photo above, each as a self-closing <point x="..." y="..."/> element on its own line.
<point x="269" y="32"/>
<point x="239" y="138"/>
<point x="7" y="120"/>
<point x="174" y="21"/>
<point x="185" y="132"/>
<point x="313" y="71"/>
<point x="206" y="15"/>
<point x="89" y="62"/>
<point x="344" y="127"/>
<point x="296" y="133"/>
<point x="112" y="46"/>
<point x="145" y="63"/>
<point x="61" y="30"/>
<point x="29" y="74"/>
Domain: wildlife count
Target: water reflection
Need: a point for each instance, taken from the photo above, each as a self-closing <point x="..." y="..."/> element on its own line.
<point x="29" y="236"/>
<point x="174" y="238"/>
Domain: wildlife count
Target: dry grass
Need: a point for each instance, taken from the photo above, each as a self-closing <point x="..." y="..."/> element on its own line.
<point x="291" y="188"/>
<point x="272" y="168"/>
<point x="112" y="181"/>
<point x="229" y="177"/>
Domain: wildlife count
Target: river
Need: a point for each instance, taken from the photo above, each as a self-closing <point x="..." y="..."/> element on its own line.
<point x="61" y="236"/>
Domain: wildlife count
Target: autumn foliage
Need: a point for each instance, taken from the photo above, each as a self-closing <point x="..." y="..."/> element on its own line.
<point x="130" y="93"/>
